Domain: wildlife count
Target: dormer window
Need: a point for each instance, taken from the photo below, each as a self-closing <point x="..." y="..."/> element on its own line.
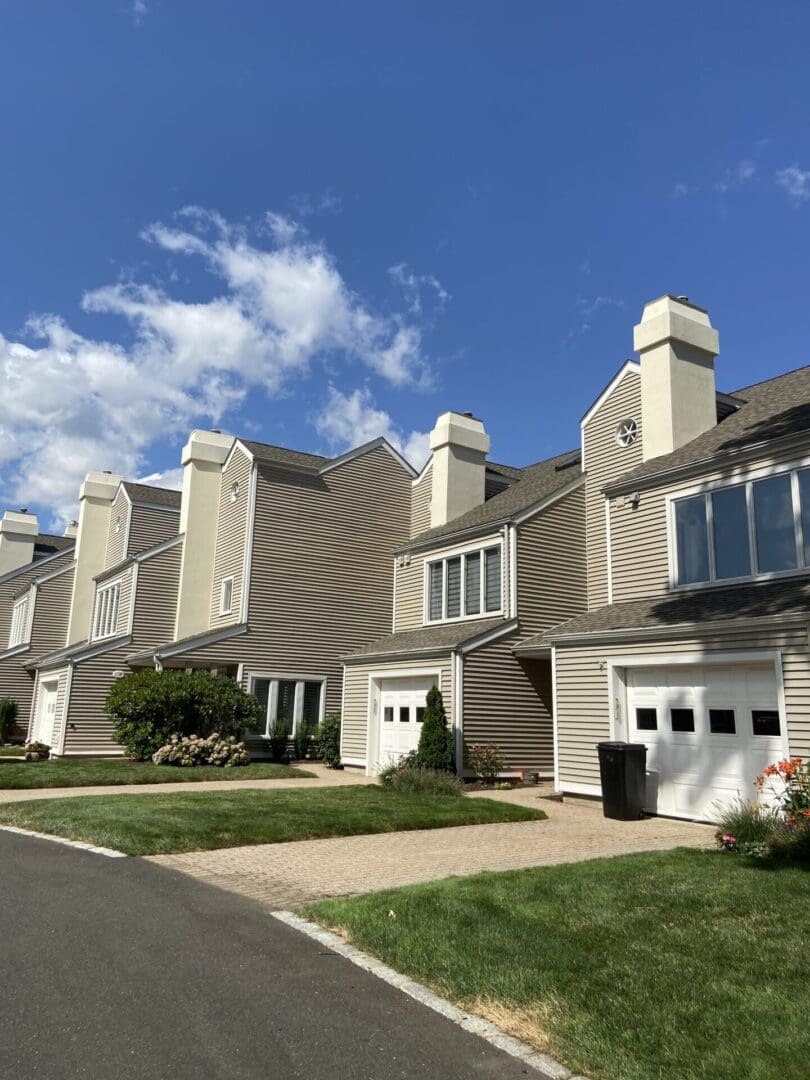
<point x="627" y="432"/>
<point x="464" y="586"/>
<point x="19" y="622"/>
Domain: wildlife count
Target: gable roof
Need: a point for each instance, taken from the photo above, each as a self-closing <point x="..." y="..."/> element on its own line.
<point x="775" y="409"/>
<point x="427" y="639"/>
<point x="47" y="544"/>
<point x="280" y="455"/>
<point x="155" y="496"/>
<point x="534" y="484"/>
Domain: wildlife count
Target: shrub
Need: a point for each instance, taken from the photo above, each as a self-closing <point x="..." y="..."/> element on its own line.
<point x="8" y="717"/>
<point x="189" y="750"/>
<point x="485" y="760"/>
<point x="790" y="842"/>
<point x="304" y="740"/>
<point x="386" y="774"/>
<point x="788" y="782"/>
<point x="148" y="707"/>
<point x="414" y="780"/>
<point x="329" y="740"/>
<point x="435" y="750"/>
<point x="279" y="739"/>
<point x="746" y="827"/>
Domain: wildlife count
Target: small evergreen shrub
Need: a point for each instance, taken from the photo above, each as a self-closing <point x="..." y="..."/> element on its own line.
<point x="329" y="740"/>
<point x="8" y="718"/>
<point x="435" y="750"/>
<point x="279" y="739"/>
<point x="148" y="707"/>
<point x="485" y="760"/>
<point x="414" y="780"/>
<point x="304" y="741"/>
<point x="190" y="750"/>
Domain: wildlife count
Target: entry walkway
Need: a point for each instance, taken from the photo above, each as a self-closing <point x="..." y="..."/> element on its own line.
<point x="286" y="875"/>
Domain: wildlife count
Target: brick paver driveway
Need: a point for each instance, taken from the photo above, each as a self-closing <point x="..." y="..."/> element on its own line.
<point x="286" y="875"/>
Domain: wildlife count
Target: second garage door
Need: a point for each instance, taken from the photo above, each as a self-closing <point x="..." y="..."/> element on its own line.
<point x="402" y="707"/>
<point x="709" y="731"/>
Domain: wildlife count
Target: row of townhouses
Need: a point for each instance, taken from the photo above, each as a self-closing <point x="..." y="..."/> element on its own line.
<point x="649" y="585"/>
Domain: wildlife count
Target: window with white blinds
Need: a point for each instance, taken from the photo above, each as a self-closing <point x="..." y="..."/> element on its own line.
<point x="105" y="619"/>
<point x="19" y="622"/>
<point x="295" y="703"/>
<point x="465" y="586"/>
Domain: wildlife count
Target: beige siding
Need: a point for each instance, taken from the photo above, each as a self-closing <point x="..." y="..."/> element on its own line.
<point x="639" y="546"/>
<point x="59" y="712"/>
<point x="355" y="699"/>
<point x="156" y="598"/>
<point x="321" y="582"/>
<point x="125" y="601"/>
<point x="508" y="702"/>
<point x="582" y="690"/>
<point x="420" y="503"/>
<point x="604" y="461"/>
<point x="552" y="572"/>
<point x="151" y="526"/>
<point x="18" y="584"/>
<point x="118" y="528"/>
<point x="229" y="560"/>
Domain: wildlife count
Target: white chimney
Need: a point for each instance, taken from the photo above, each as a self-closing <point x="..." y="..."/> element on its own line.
<point x="18" y="531"/>
<point x="203" y="457"/>
<point x="677" y="344"/>
<point x="459" y="446"/>
<point x="71" y="529"/>
<point x="95" y="504"/>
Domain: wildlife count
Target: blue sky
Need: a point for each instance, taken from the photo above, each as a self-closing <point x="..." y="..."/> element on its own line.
<point x="314" y="223"/>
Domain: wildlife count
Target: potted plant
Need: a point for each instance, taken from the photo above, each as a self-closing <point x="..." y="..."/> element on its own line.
<point x="37" y="751"/>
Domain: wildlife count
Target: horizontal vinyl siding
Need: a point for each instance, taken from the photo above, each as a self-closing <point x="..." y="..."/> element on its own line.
<point x="156" y="599"/>
<point x="89" y="731"/>
<point x="124" y="602"/>
<point x="151" y="527"/>
<point x="229" y="560"/>
<point x="508" y="702"/>
<point x="639" y="534"/>
<point x="116" y="538"/>
<point x="552" y="571"/>
<point x="604" y="461"/>
<point x="420" y="503"/>
<point x="356" y="704"/>
<point x="18" y="584"/>
<point x="583" y="717"/>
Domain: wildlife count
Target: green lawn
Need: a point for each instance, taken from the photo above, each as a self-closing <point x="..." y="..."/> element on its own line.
<point x="86" y="773"/>
<point x="10" y="751"/>
<point x="153" y="824"/>
<point x="688" y="964"/>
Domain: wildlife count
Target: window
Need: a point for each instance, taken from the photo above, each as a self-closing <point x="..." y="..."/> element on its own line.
<point x="765" y="722"/>
<point x="388" y="714"/>
<point x="234" y="493"/>
<point x="682" y="719"/>
<point x="722" y="722"/>
<point x="105" y="621"/>
<point x="226" y="596"/>
<point x="404" y="714"/>
<point x="627" y="433"/>
<point x="420" y="713"/>
<point x="646" y="719"/>
<point x="295" y="702"/>
<point x="743" y="531"/>
<point x="464" y="586"/>
<point x="19" y="622"/>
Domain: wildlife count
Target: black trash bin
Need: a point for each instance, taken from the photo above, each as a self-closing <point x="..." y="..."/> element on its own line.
<point x="623" y="766"/>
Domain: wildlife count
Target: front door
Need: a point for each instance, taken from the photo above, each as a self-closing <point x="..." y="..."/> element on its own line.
<point x="402" y="707"/>
<point x="46" y="712"/>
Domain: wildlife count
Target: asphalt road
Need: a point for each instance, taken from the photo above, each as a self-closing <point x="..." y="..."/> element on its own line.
<point x="116" y="969"/>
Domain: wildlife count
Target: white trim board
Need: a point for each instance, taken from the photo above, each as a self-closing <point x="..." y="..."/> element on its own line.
<point x="629" y="367"/>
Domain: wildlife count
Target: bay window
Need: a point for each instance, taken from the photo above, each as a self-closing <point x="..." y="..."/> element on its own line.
<point x="464" y="586"/>
<point x="751" y="529"/>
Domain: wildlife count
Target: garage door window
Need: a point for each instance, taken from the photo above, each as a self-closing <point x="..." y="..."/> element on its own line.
<point x="722" y="722"/>
<point x="647" y="719"/>
<point x="765" y="722"/>
<point x="388" y="714"/>
<point x="682" y="719"/>
<point x="420" y="713"/>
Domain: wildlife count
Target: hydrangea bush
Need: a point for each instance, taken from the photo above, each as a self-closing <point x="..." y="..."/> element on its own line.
<point x="191" y="750"/>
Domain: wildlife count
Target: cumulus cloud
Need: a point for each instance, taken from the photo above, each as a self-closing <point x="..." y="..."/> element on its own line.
<point x="73" y="403"/>
<point x="349" y="420"/>
<point x="796" y="182"/>
<point x="168" y="478"/>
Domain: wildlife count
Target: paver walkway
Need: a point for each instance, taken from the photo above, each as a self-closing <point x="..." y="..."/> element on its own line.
<point x="323" y="778"/>
<point x="286" y="875"/>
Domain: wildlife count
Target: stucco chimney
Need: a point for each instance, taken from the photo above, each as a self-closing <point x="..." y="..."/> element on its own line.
<point x="18" y="531"/>
<point x="203" y="457"/>
<point x="677" y="344"/>
<point x="459" y="445"/>
<point x="95" y="504"/>
<point x="71" y="529"/>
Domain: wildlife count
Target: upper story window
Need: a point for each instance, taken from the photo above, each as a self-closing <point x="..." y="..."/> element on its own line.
<point x="464" y="586"/>
<point x="19" y="622"/>
<point x="752" y="529"/>
<point x="105" y="619"/>
<point x="226" y="596"/>
<point x="627" y="432"/>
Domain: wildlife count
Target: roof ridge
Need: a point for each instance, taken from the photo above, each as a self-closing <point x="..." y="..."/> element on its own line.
<point x="773" y="378"/>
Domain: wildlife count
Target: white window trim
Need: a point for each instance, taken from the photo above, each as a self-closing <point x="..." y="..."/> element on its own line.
<point x="744" y="480"/>
<point x="20" y="631"/>
<point x="105" y="610"/>
<point x="298" y="700"/>
<point x="456" y="553"/>
<point x="223" y="610"/>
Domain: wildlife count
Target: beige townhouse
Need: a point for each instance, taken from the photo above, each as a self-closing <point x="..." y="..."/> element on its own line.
<point x="695" y="641"/>
<point x="119" y="594"/>
<point x="496" y="555"/>
<point x="284" y="567"/>
<point x="35" y="577"/>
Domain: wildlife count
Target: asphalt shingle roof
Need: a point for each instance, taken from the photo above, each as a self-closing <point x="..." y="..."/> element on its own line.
<point x="436" y="638"/>
<point x="157" y="496"/>
<point x="46" y="544"/>
<point x="282" y="456"/>
<point x="773" y="409"/>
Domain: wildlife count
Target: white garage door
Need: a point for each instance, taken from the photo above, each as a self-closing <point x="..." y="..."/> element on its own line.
<point x="402" y="707"/>
<point x="709" y="731"/>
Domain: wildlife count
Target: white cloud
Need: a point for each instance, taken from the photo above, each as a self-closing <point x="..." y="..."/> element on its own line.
<point x="349" y="420"/>
<point x="139" y="9"/>
<point x="169" y="478"/>
<point x="796" y="182"/>
<point x="413" y="285"/>
<point x="72" y="403"/>
<point x="735" y="176"/>
<point x="682" y="189"/>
